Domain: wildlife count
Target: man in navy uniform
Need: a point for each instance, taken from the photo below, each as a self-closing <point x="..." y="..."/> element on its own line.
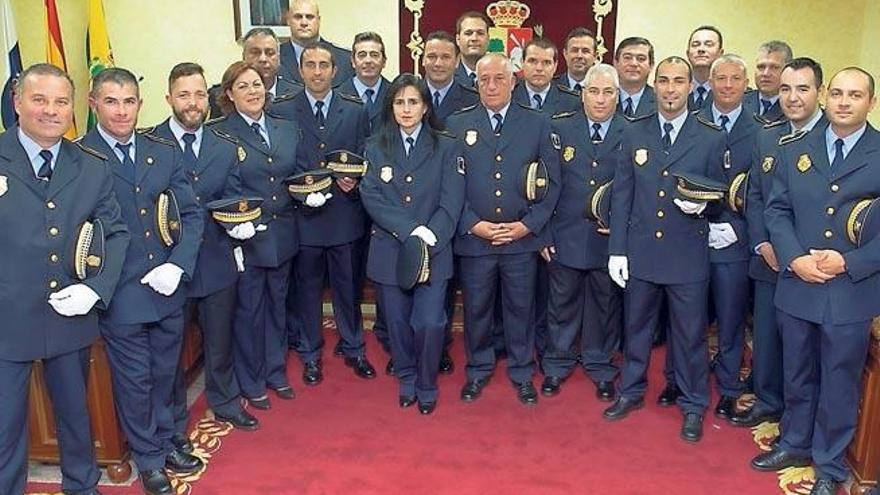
<point x="439" y="61"/>
<point x="49" y="188"/>
<point x="634" y="60"/>
<point x="304" y="21"/>
<point x="330" y="229"/>
<point x="729" y="252"/>
<point x="368" y="59"/>
<point x="472" y="38"/>
<point x="260" y="47"/>
<point x="704" y="46"/>
<point x="649" y="224"/>
<point x="210" y="161"/>
<point x="799" y="94"/>
<point x="772" y="57"/>
<point x="143" y="328"/>
<point x="579" y="51"/>
<point x="500" y="229"/>
<point x="583" y="301"/>
<point x="823" y="312"/>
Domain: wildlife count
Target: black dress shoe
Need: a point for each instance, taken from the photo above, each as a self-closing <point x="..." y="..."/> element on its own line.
<point x="726" y="407"/>
<point x="406" y="400"/>
<point x="753" y="417"/>
<point x="182" y="463"/>
<point x="526" y="393"/>
<point x="622" y="407"/>
<point x="361" y="367"/>
<point x="262" y="403"/>
<point x="778" y="459"/>
<point x="669" y="395"/>
<point x="692" y="427"/>
<point x="156" y="482"/>
<point x="182" y="443"/>
<point x="285" y="392"/>
<point x="825" y="486"/>
<point x="312" y="373"/>
<point x="241" y="421"/>
<point x="472" y="389"/>
<point x="426" y="408"/>
<point x="337" y="349"/>
<point x="550" y="386"/>
<point x="446" y="364"/>
<point x="605" y="391"/>
<point x="389" y="368"/>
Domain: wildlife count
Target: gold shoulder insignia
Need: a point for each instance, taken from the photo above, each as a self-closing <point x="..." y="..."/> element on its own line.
<point x="566" y="89"/>
<point x="465" y="109"/>
<point x="561" y="115"/>
<point x="636" y="118"/>
<point x="444" y="132"/>
<point x="224" y="135"/>
<point x="351" y="98"/>
<point x="708" y="123"/>
<point x="215" y="120"/>
<point x="283" y="98"/>
<point x="790" y="138"/>
<point x="147" y="133"/>
<point x="90" y="151"/>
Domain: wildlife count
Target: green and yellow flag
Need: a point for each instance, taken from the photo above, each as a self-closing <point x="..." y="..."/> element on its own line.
<point x="98" y="51"/>
<point x="55" y="48"/>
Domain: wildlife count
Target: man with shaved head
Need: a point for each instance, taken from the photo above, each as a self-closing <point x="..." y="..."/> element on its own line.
<point x="304" y="20"/>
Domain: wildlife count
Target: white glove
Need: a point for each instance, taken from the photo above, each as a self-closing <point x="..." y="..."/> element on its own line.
<point x="721" y="235"/>
<point x="317" y="200"/>
<point x="163" y="279"/>
<point x="242" y="231"/>
<point x="690" y="207"/>
<point x="425" y="234"/>
<point x="73" y="300"/>
<point x="618" y="270"/>
<point x="262" y="227"/>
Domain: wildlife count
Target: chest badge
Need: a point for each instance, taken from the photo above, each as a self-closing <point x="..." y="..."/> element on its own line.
<point x="470" y="137"/>
<point x="767" y="164"/>
<point x="4" y="185"/>
<point x="568" y="153"/>
<point x="460" y="165"/>
<point x="555" y="141"/>
<point x="242" y="154"/>
<point x="640" y="157"/>
<point x="386" y="173"/>
<point x="804" y="163"/>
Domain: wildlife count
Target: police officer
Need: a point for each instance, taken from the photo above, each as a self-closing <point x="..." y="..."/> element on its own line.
<point x="414" y="187"/>
<point x="304" y="21"/>
<point x="579" y="51"/>
<point x="331" y="229"/>
<point x="210" y="161"/>
<point x="448" y="95"/>
<point x="634" y="61"/>
<point x="583" y="301"/>
<point x="823" y="314"/>
<point x="144" y="326"/>
<point x="368" y="59"/>
<point x="650" y="223"/>
<point x="772" y="57"/>
<point x="50" y="188"/>
<point x="728" y="232"/>
<point x="705" y="44"/>
<point x="472" y="38"/>
<point x="500" y="230"/>
<point x="267" y="154"/>
<point x="799" y="93"/>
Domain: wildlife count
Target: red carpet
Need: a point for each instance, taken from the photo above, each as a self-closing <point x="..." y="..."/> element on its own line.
<point x="348" y="436"/>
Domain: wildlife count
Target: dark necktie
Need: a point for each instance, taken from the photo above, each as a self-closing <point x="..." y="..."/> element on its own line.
<point x="701" y="96"/>
<point x="577" y="87"/>
<point x="838" y="153"/>
<point x="765" y="104"/>
<point x="597" y="136"/>
<point x="628" y="109"/>
<point x="369" y="93"/>
<point x="319" y="113"/>
<point x="498" y="121"/>
<point x="127" y="163"/>
<point x="189" y="153"/>
<point x="436" y="100"/>
<point x="45" y="171"/>
<point x="473" y="77"/>
<point x="667" y="135"/>
<point x="410" y="142"/>
<point x="257" y="130"/>
<point x="724" y="121"/>
<point x="538" y="102"/>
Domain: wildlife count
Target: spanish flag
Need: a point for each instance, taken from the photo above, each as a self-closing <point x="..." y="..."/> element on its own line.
<point x="11" y="66"/>
<point x="55" y="48"/>
<point x="98" y="51"/>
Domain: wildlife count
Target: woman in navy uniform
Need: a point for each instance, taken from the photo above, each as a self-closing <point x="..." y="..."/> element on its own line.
<point x="414" y="187"/>
<point x="267" y="154"/>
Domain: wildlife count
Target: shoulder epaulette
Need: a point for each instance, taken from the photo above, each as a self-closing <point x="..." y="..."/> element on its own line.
<point x="790" y="138"/>
<point x="148" y="133"/>
<point x="749" y="91"/>
<point x="566" y="89"/>
<point x="283" y="98"/>
<point x="527" y="107"/>
<point x="465" y="109"/>
<point x="90" y="151"/>
<point x="708" y="123"/>
<point x="351" y="98"/>
<point x="636" y="118"/>
<point x="774" y="123"/>
<point x="561" y="115"/>
<point x="446" y="133"/>
<point x="224" y="135"/>
<point x="215" y="120"/>
<point x="469" y="88"/>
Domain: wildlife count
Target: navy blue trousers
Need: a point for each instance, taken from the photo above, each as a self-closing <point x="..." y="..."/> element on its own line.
<point x="766" y="351"/>
<point x="542" y="303"/>
<point x="730" y="293"/>
<point x="66" y="376"/>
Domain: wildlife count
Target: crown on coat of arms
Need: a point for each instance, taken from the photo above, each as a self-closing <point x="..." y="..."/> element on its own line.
<point x="508" y="13"/>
